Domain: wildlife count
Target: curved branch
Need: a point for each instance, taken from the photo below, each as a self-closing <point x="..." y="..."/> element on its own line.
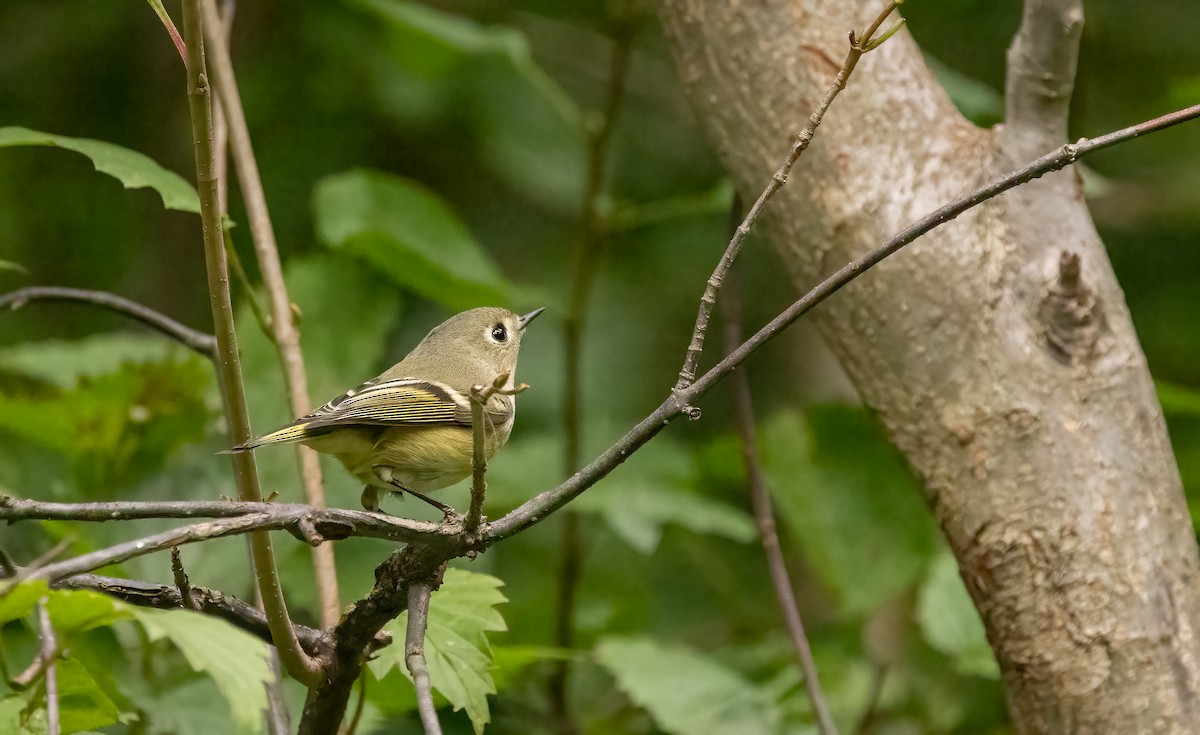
<point x="1041" y="76"/>
<point x="194" y="340"/>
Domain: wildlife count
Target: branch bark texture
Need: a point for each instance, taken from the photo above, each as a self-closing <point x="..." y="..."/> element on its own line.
<point x="997" y="350"/>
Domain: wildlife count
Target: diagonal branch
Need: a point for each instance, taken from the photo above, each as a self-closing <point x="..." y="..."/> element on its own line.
<point x="193" y="339"/>
<point x="858" y="46"/>
<point x="537" y="508"/>
<point x="1041" y="76"/>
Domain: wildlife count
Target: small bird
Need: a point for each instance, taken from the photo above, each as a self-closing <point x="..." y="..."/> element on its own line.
<point x="409" y="429"/>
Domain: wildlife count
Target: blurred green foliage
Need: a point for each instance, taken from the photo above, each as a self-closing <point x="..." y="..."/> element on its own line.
<point x="423" y="158"/>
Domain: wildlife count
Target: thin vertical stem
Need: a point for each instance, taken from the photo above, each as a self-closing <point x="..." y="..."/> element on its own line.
<point x="588" y="252"/>
<point x="764" y="516"/>
<point x="229" y="368"/>
<point x="414" y="654"/>
<point x="49" y="652"/>
<point x="283" y="328"/>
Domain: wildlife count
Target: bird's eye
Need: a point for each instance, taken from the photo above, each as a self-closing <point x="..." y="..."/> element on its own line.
<point x="499" y="333"/>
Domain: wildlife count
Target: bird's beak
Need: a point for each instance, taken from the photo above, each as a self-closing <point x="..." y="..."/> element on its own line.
<point x="530" y="317"/>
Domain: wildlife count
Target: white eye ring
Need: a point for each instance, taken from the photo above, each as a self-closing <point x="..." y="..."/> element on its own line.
<point x="498" y="333"/>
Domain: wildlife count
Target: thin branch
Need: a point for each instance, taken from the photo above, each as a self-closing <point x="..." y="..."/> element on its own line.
<point x="44" y="661"/>
<point x="283" y="327"/>
<point x="1041" y="76"/>
<point x="311" y="525"/>
<point x="588" y="253"/>
<point x="298" y="663"/>
<point x="200" y="599"/>
<point x="414" y="655"/>
<point x="195" y="340"/>
<point x="540" y="506"/>
<point x="764" y="517"/>
<point x="50" y="654"/>
<point x="858" y="47"/>
<point x="480" y="395"/>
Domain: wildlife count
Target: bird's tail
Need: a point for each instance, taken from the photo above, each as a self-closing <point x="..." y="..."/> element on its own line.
<point x="296" y="432"/>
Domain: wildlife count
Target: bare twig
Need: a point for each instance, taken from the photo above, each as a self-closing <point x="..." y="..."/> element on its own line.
<point x="858" y="47"/>
<point x="540" y="506"/>
<point x="195" y="340"/>
<point x="298" y="663"/>
<point x="49" y="652"/>
<point x="283" y="329"/>
<point x="1041" y="76"/>
<point x="764" y="517"/>
<point x="414" y="655"/>
<point x="480" y="395"/>
<point x="203" y="600"/>
<point x="182" y="583"/>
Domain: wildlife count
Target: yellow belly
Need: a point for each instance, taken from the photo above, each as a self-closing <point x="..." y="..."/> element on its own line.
<point x="419" y="458"/>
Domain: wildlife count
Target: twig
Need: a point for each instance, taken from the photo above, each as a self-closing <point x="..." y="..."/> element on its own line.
<point x="480" y="395"/>
<point x="764" y="517"/>
<point x="858" y="47"/>
<point x="414" y="654"/>
<point x="587" y="258"/>
<point x="195" y="340"/>
<point x="298" y="663"/>
<point x="283" y="328"/>
<point x="182" y="583"/>
<point x="359" y="704"/>
<point x="49" y="652"/>
<point x="202" y="600"/>
<point x="540" y="506"/>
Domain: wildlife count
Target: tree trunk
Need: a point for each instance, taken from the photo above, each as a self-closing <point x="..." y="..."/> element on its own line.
<point x="997" y="350"/>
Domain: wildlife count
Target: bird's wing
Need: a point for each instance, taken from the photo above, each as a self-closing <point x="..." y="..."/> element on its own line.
<point x="386" y="403"/>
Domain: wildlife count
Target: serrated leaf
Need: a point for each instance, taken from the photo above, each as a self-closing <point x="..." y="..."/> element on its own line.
<point x="17" y="601"/>
<point x="949" y="621"/>
<point x="73" y="611"/>
<point x="457" y="652"/>
<point x="409" y="234"/>
<point x="685" y="691"/>
<point x="134" y="170"/>
<point x="236" y="660"/>
<point x="82" y="704"/>
<point x="850" y="501"/>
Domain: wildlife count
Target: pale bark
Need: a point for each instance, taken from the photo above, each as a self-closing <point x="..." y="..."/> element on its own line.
<point x="997" y="350"/>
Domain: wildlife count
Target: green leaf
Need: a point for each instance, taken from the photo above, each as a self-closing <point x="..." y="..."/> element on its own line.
<point x="18" y="601"/>
<point x="410" y="235"/>
<point x="978" y="102"/>
<point x="950" y="623"/>
<point x="11" y="708"/>
<point x="461" y="613"/>
<point x="685" y="691"/>
<point x="64" y="362"/>
<point x="8" y="265"/>
<point x="74" y="611"/>
<point x="83" y="706"/>
<point x="134" y="170"/>
<point x="1177" y="400"/>
<point x="236" y="660"/>
<point x="444" y="34"/>
<point x="850" y="501"/>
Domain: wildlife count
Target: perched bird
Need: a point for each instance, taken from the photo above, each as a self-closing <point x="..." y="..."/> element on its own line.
<point x="409" y="430"/>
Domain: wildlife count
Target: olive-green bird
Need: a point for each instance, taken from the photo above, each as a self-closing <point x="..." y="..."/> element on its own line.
<point x="409" y="430"/>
